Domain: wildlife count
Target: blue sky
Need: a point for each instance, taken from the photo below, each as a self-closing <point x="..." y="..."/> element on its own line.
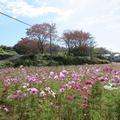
<point x="99" y="17"/>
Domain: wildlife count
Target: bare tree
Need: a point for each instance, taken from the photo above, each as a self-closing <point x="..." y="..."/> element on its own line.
<point x="52" y="34"/>
<point x="67" y="37"/>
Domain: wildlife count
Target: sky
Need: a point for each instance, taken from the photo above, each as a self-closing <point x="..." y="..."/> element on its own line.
<point x="99" y="17"/>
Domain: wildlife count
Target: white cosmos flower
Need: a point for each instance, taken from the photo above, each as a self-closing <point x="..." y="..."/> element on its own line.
<point x="109" y="87"/>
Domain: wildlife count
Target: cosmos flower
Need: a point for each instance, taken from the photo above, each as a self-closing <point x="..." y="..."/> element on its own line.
<point x="42" y="93"/>
<point x="62" y="76"/>
<point x="62" y="90"/>
<point x="33" y="91"/>
<point x="88" y="82"/>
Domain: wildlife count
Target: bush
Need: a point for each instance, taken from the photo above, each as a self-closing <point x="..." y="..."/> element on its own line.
<point x="25" y="62"/>
<point x="4" y="64"/>
<point x="55" y="60"/>
<point x="6" y="54"/>
<point x="69" y="60"/>
<point x="27" y="46"/>
<point x="29" y="56"/>
<point x="100" y="61"/>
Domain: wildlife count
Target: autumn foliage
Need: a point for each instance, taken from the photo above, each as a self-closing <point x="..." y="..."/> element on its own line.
<point x="77" y="42"/>
<point x="26" y="46"/>
<point x="42" y="38"/>
<point x="42" y="33"/>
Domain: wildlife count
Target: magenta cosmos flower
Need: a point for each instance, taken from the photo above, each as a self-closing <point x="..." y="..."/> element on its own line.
<point x="88" y="82"/>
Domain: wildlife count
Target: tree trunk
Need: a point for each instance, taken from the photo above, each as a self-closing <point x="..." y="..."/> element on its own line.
<point x="68" y="48"/>
<point x="39" y="46"/>
<point x="42" y="48"/>
<point x="50" y="44"/>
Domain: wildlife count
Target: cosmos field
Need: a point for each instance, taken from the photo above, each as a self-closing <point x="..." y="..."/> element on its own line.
<point x="83" y="92"/>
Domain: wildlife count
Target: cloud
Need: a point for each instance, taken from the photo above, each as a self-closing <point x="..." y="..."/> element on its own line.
<point x="95" y="13"/>
<point x="80" y="12"/>
<point x="22" y="8"/>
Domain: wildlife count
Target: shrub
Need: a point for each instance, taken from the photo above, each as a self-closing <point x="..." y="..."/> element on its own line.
<point x="4" y="64"/>
<point x="6" y="54"/>
<point x="55" y="60"/>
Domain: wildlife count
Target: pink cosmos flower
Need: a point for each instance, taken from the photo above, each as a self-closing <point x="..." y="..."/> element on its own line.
<point x="14" y="80"/>
<point x="33" y="91"/>
<point x="56" y="77"/>
<point x="34" y="79"/>
<point x="102" y="79"/>
<point x="13" y="96"/>
<point x="71" y="97"/>
<point x="85" y="104"/>
<point x="17" y="95"/>
<point x="7" y="82"/>
<point x="62" y="90"/>
<point x="62" y="76"/>
<point x="94" y="77"/>
<point x="75" y="76"/>
<point x="51" y="74"/>
<point x="65" y="72"/>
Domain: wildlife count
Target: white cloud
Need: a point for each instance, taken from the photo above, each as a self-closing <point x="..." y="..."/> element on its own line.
<point x="22" y="8"/>
<point x="92" y="13"/>
<point x="79" y="12"/>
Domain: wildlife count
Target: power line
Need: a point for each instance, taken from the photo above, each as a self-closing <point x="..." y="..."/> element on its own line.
<point x="15" y="19"/>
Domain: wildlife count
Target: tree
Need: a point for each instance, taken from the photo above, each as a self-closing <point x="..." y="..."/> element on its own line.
<point x="81" y="41"/>
<point x="6" y="48"/>
<point x="67" y="37"/>
<point x="77" y="42"/>
<point x="51" y="34"/>
<point x="54" y="48"/>
<point x="43" y="33"/>
<point x="40" y="33"/>
<point x="91" y="46"/>
<point x="27" y="46"/>
<point x="100" y="52"/>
